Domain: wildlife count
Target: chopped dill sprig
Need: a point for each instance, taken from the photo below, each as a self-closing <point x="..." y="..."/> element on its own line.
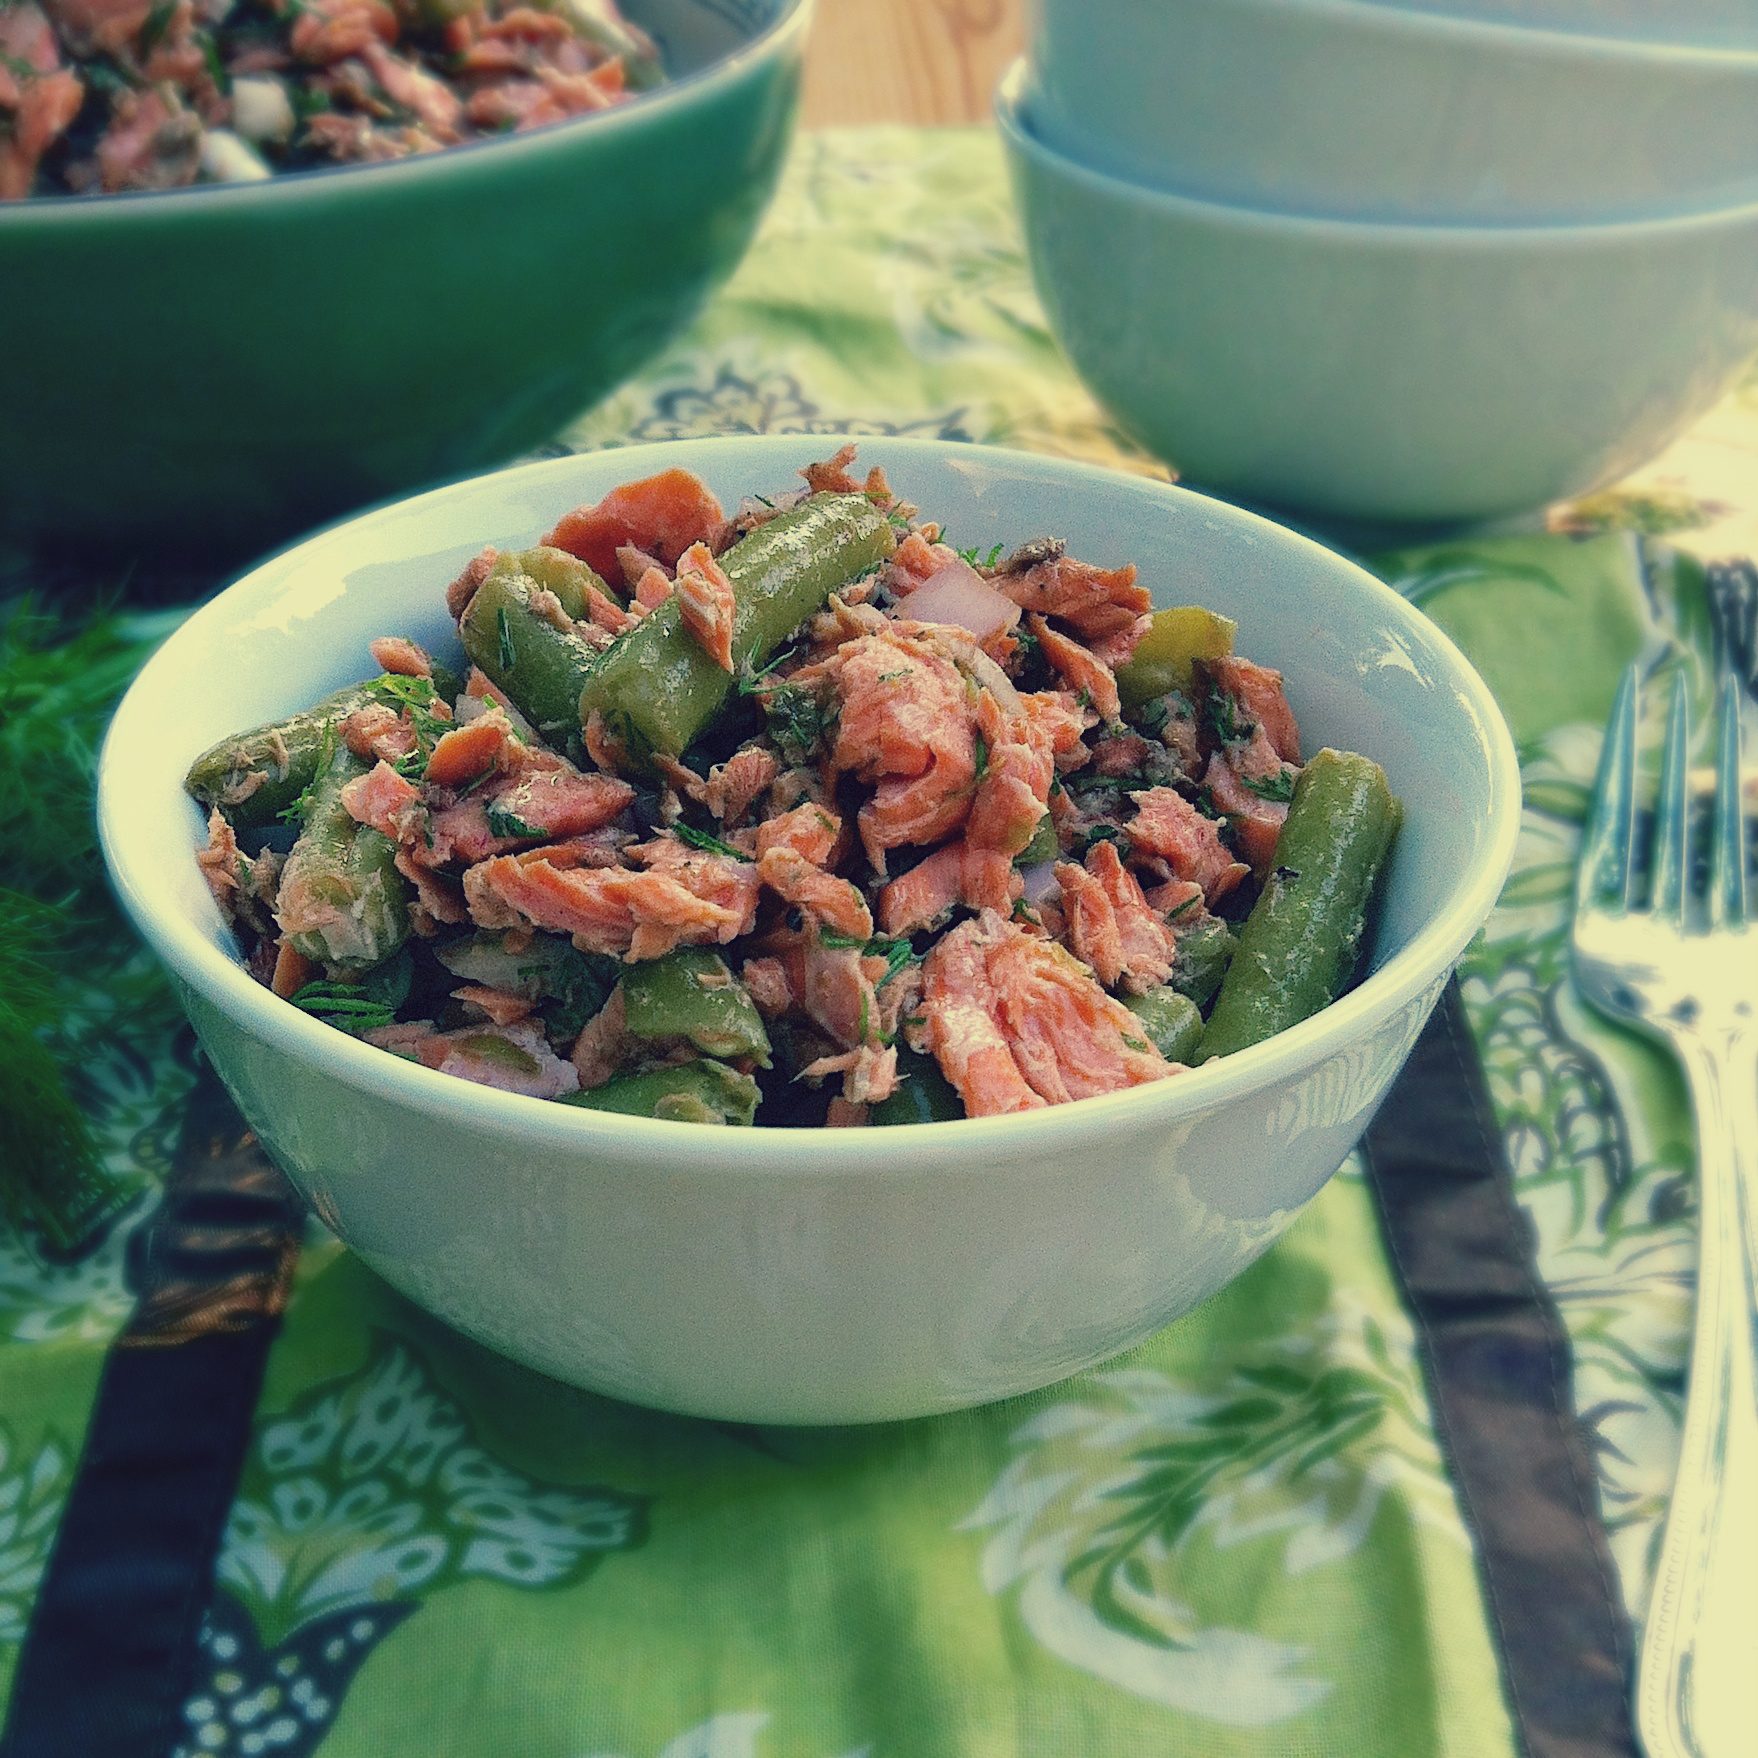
<point x="344" y="1006"/>
<point x="702" y="840"/>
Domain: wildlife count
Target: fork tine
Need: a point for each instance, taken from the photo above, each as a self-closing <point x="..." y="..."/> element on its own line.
<point x="1607" y="871"/>
<point x="1672" y="810"/>
<point x="1727" y="870"/>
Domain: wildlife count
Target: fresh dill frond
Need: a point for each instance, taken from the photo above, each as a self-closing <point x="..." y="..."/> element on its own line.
<point x="344" y="1006"/>
<point x="702" y="840"/>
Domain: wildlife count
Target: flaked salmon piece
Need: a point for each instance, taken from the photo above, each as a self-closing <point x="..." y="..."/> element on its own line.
<point x="637" y="915"/>
<point x="683" y="779"/>
<point x="897" y="701"/>
<point x="401" y="1036"/>
<point x="920" y="809"/>
<point x="1110" y="924"/>
<point x="153" y="142"/>
<point x="1168" y="825"/>
<point x="380" y="731"/>
<point x="1099" y="603"/>
<point x="836" y="990"/>
<point x="840" y="622"/>
<point x="598" y="848"/>
<point x="463" y="589"/>
<point x="513" y="1058"/>
<point x="652" y="590"/>
<point x="1015" y="1022"/>
<point x="462" y="833"/>
<point x="636" y="564"/>
<point x="437" y="898"/>
<point x="962" y="1031"/>
<point x="97" y="26"/>
<point x="1118" y="648"/>
<point x="605" y="613"/>
<point x="293" y="970"/>
<point x="915" y="561"/>
<point x="1234" y="777"/>
<point x="869" y="1073"/>
<point x="222" y="866"/>
<point x="813" y="832"/>
<point x="832" y="901"/>
<point x="400" y="656"/>
<point x="959" y="873"/>
<point x="662" y="515"/>
<point x="766" y="980"/>
<point x="733" y="786"/>
<point x="430" y="100"/>
<point x="563" y="802"/>
<point x="1091" y="923"/>
<point x="501" y="1006"/>
<point x="1174" y="900"/>
<point x="904" y="721"/>
<point x="1258" y="690"/>
<point x="1123" y="753"/>
<point x="42" y="96"/>
<point x="544" y="604"/>
<point x="1082" y="672"/>
<point x="602" y="746"/>
<point x="832" y="477"/>
<point x="385" y="800"/>
<point x="470" y="750"/>
<point x="328" y="31"/>
<point x="1013" y="792"/>
<point x="705" y="596"/>
<point x="603" y="1044"/>
<point x="842" y="1115"/>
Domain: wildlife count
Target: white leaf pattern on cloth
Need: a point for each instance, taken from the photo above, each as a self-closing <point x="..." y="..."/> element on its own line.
<point x="1299" y="1444"/>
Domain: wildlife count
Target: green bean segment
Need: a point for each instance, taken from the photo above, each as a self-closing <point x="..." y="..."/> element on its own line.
<point x="1200" y="958"/>
<point x="540" y="667"/>
<point x="1298" y="949"/>
<point x="657" y="689"/>
<point x="692" y="1092"/>
<point x="692" y="994"/>
<point x="924" y="1094"/>
<point x="556" y="571"/>
<point x="1173" y="1023"/>
<point x="341" y="880"/>
<point x="1165" y="656"/>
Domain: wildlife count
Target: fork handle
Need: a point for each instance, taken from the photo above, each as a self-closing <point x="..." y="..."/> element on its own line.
<point x="1697" y="1680"/>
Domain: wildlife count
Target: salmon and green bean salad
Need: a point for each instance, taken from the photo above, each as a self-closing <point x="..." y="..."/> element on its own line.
<point x="102" y="96"/>
<point x="799" y="815"/>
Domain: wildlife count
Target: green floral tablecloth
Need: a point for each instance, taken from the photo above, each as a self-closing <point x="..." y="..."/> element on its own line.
<point x="1238" y="1539"/>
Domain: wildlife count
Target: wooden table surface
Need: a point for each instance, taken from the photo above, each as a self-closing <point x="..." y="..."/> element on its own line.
<point x="914" y="61"/>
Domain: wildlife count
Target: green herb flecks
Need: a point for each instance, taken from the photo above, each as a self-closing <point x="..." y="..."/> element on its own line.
<point x="344" y="1006"/>
<point x="1223" y="722"/>
<point x="709" y="844"/>
<point x="1277" y="788"/>
<point x="506" y="823"/>
<point x="295" y="813"/>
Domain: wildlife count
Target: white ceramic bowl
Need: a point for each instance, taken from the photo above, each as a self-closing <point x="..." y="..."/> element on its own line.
<point x="1383" y="372"/>
<point x="774" y="1275"/>
<point x="1356" y="110"/>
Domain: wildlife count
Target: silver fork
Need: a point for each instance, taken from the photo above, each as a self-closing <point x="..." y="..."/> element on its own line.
<point x="1684" y="968"/>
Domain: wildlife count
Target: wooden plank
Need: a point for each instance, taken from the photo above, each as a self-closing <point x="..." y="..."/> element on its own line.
<point x="920" y="62"/>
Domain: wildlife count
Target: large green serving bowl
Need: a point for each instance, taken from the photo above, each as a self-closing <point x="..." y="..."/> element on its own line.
<point x="215" y="368"/>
